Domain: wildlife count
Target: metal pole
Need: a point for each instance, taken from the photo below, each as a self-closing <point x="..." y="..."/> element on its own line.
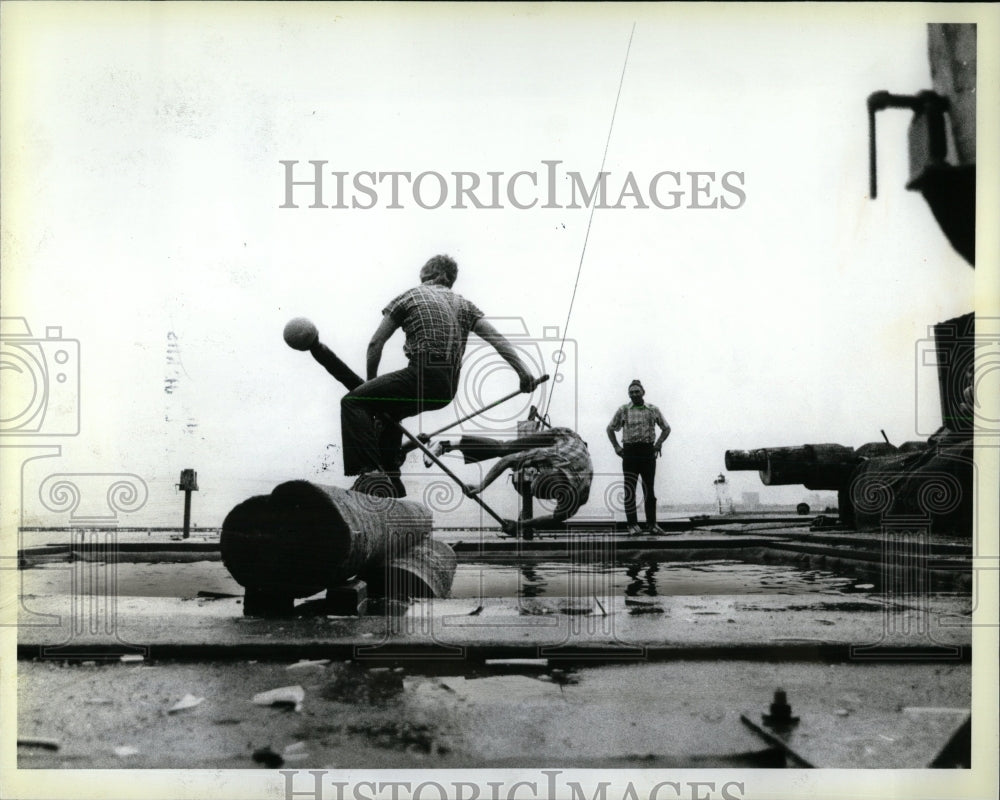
<point x="420" y="445"/>
<point x="187" y="513"/>
<point x="527" y="506"/>
<point x="425" y="437"/>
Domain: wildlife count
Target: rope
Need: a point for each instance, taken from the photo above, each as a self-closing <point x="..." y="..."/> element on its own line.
<point x="586" y="237"/>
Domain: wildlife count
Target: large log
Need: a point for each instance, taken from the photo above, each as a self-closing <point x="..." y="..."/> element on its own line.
<point x="304" y="538"/>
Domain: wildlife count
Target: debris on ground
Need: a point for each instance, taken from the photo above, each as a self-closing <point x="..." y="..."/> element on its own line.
<point x="295" y="752"/>
<point x="187" y="701"/>
<point x="291" y="696"/>
<point x="304" y="663"/>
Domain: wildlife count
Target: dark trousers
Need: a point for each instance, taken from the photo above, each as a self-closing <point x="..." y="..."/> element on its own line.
<point x="401" y="394"/>
<point x="639" y="461"/>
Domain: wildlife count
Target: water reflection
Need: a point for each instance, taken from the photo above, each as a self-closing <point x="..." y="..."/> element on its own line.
<point x="645" y="579"/>
<point x="642" y="585"/>
<point x="532" y="583"/>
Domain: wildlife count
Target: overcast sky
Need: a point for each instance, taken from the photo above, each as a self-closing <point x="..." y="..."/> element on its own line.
<point x="143" y="188"/>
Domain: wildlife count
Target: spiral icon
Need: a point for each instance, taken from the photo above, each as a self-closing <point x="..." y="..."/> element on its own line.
<point x="377" y="497"/>
<point x="566" y="494"/>
<point x="614" y="496"/>
<point x="127" y="495"/>
<point x="940" y="493"/>
<point x="443" y="496"/>
<point x="871" y="494"/>
<point x="59" y="494"/>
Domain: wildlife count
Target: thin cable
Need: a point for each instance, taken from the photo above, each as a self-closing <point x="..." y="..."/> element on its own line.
<point x="590" y="221"/>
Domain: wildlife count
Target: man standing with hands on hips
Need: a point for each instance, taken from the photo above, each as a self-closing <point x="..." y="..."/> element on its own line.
<point x="640" y="446"/>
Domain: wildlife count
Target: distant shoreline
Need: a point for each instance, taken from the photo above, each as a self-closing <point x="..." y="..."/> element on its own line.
<point x="699" y="513"/>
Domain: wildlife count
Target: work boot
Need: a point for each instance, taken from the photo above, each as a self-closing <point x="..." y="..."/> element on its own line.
<point x="634" y="529"/>
<point x="378" y="484"/>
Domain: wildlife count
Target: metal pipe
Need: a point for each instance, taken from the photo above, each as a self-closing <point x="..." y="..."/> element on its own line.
<point x="187" y="513"/>
<point x="746" y="459"/>
<point x="425" y="437"/>
<point x="423" y="448"/>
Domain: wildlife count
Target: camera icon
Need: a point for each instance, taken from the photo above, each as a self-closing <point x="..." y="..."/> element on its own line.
<point x="950" y="365"/>
<point x="41" y="381"/>
<point x="486" y="377"/>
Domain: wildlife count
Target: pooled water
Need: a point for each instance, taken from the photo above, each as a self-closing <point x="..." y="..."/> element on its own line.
<point x="647" y="579"/>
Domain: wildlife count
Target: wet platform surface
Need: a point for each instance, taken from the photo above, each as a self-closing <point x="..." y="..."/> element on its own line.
<point x="61" y="601"/>
<point x="584" y="669"/>
<point x="762" y="625"/>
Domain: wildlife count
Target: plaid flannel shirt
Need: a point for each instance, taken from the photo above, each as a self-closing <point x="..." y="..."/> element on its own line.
<point x="567" y="457"/>
<point x="639" y="423"/>
<point x="436" y="321"/>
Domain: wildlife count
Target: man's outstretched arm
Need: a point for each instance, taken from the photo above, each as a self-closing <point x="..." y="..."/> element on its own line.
<point x="496" y="471"/>
<point x="485" y="330"/>
<point x="387" y="327"/>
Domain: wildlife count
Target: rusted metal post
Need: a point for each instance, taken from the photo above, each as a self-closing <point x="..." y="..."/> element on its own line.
<point x="188" y="483"/>
<point x="527" y="499"/>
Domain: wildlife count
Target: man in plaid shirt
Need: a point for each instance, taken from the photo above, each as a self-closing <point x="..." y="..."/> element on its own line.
<point x="437" y="323"/>
<point x="555" y="461"/>
<point x="638" y="452"/>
